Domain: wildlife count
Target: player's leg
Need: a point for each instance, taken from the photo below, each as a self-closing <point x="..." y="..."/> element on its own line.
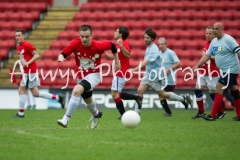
<point x="211" y="84"/>
<point x="164" y="101"/>
<point x="234" y="90"/>
<point x="117" y="85"/>
<point x="33" y="99"/>
<point x="22" y="96"/>
<point x="185" y="99"/>
<point x="201" y="82"/>
<point x="141" y="89"/>
<point x="28" y="101"/>
<point x="228" y="81"/>
<point x="228" y="95"/>
<point x="74" y="102"/>
<point x="34" y="83"/>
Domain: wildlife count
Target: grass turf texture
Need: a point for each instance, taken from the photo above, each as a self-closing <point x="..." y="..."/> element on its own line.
<point x="38" y="137"/>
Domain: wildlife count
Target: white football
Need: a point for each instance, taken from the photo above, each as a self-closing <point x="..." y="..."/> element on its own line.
<point x="130" y="119"/>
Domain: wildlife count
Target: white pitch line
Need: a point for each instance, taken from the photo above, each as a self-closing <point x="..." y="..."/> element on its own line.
<point x="40" y="135"/>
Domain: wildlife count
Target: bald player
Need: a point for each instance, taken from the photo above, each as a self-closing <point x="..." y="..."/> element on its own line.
<point x="226" y="51"/>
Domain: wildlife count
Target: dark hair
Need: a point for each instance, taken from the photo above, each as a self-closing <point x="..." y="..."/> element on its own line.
<point x="124" y="31"/>
<point x="20" y="30"/>
<point x="151" y="33"/>
<point x="86" y="27"/>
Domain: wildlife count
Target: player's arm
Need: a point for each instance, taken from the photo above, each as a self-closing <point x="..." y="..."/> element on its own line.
<point x="125" y="52"/>
<point x="212" y="57"/>
<point x="203" y="60"/>
<point x="115" y="54"/>
<point x="175" y="65"/>
<point x="109" y="55"/>
<point x="33" y="59"/>
<point x="140" y="66"/>
<point x="68" y="50"/>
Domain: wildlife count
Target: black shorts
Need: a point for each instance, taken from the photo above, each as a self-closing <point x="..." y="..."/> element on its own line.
<point x="169" y="88"/>
<point x="229" y="82"/>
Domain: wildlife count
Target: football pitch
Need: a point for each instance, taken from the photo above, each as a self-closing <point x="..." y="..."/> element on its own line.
<point x="39" y="137"/>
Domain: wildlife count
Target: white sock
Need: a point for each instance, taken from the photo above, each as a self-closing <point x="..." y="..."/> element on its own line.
<point x="92" y="107"/>
<point x="136" y="108"/>
<point x="48" y="95"/>
<point x="72" y="105"/>
<point x="31" y="97"/>
<point x="176" y="97"/>
<point x="28" y="102"/>
<point x="22" y="100"/>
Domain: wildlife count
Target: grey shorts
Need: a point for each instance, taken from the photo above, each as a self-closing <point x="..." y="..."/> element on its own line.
<point x="30" y="80"/>
<point x="156" y="85"/>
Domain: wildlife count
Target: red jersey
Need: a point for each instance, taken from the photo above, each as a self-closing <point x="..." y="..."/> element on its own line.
<point x="213" y="66"/>
<point x="25" y="50"/>
<point x="87" y="58"/>
<point x="124" y="61"/>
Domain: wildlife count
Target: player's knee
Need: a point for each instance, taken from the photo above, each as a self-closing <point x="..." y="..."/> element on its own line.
<point x="198" y="92"/>
<point x="235" y="94"/>
<point x="86" y="85"/>
<point x="35" y="94"/>
<point x="115" y="94"/>
<point x="87" y="95"/>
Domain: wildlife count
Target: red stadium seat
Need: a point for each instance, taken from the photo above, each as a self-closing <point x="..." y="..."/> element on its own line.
<point x="128" y="15"/>
<point x="144" y="15"/>
<point x="178" y="24"/>
<point x="198" y="15"/>
<point x="192" y="44"/>
<point x="211" y="15"/>
<point x="191" y="5"/>
<point x="184" y="15"/>
<point x="124" y="6"/>
<point x="170" y="15"/>
<point x="150" y="6"/>
<point x="4" y="16"/>
<point x="10" y="7"/>
<point x="165" y="5"/>
<point x="71" y="26"/>
<point x="4" y="53"/>
<point x="176" y="44"/>
<point x="63" y="35"/>
<point x="87" y="7"/>
<point x="112" y="7"/>
<point x="184" y="34"/>
<point x="178" y="5"/>
<point x="55" y="45"/>
<point x="157" y="15"/>
<point x="106" y="16"/>
<point x="6" y="25"/>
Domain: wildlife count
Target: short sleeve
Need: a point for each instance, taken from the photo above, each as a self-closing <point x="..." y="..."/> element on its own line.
<point x="233" y="45"/>
<point x="30" y="48"/>
<point x="71" y="47"/>
<point x="152" y="55"/>
<point x="103" y="46"/>
<point x="209" y="51"/>
<point x="174" y="57"/>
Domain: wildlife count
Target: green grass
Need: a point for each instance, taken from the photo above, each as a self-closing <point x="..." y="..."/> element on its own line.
<point x="38" y="136"/>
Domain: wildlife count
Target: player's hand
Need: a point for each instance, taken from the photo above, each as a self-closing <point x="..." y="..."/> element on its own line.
<point x="119" y="42"/>
<point x="168" y="70"/>
<point x="117" y="65"/>
<point x="194" y="68"/>
<point x="61" y="58"/>
<point x="25" y="64"/>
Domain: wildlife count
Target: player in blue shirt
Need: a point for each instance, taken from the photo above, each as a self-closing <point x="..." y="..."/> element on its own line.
<point x="226" y="51"/>
<point x="170" y="61"/>
<point x="152" y="62"/>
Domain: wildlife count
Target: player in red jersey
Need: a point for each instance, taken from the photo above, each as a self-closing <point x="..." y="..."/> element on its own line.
<point x="87" y="57"/>
<point x="205" y="80"/>
<point x="118" y="82"/>
<point x="28" y="56"/>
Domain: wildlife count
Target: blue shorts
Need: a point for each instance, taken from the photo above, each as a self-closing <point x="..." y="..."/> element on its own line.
<point x="232" y="81"/>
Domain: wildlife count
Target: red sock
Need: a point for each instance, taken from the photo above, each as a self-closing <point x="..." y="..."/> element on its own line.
<point x="200" y="105"/>
<point x="237" y="107"/>
<point x="217" y="104"/>
<point x="21" y="110"/>
<point x="221" y="110"/>
<point x="54" y="96"/>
